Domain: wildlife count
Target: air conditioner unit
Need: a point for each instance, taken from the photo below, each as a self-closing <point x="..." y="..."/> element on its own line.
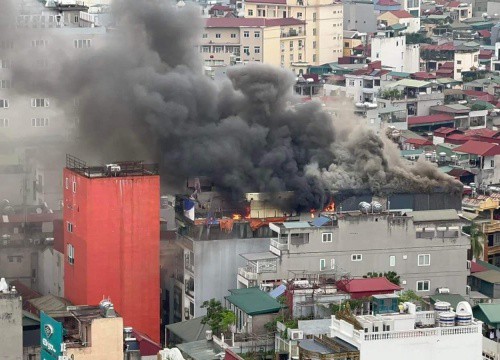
<point x="296" y="334"/>
<point x="468" y="264"/>
<point x="443" y="291"/>
<point x="467" y="290"/>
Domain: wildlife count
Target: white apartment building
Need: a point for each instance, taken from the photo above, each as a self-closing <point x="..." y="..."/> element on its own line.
<point x="324" y="24"/>
<point x="394" y="53"/>
<point x="412" y="335"/>
<point x="466" y="58"/>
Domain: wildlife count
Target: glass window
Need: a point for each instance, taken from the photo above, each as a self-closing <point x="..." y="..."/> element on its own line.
<point x="392" y="260"/>
<point x="424" y="260"/>
<point x="327" y="237"/>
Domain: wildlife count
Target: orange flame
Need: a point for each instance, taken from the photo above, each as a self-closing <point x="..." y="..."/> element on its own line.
<point x="330" y="207"/>
<point x="237" y="217"/>
<point x="312" y="211"/>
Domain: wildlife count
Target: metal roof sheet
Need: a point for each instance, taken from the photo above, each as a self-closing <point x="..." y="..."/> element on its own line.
<point x="453" y="299"/>
<point x="296" y="224"/>
<point x="490" y="311"/>
<point x="189" y="330"/>
<point x="434" y="215"/>
<point x="253" y="301"/>
<point x="490" y="276"/>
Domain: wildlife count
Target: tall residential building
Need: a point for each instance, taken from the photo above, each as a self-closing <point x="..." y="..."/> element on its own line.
<point x="279" y="42"/>
<point x="425" y="248"/>
<point x="111" y="237"/>
<point x="11" y="326"/>
<point x="391" y="49"/>
<point x="324" y="24"/>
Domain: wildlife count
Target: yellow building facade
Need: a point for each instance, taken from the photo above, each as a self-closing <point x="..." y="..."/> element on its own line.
<point x="323" y="35"/>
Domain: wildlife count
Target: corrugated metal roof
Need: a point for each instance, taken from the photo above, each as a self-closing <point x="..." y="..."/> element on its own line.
<point x="490" y="311"/>
<point x="434" y="215"/>
<point x="280" y="290"/>
<point x="370" y="285"/>
<point x="253" y="301"/>
<point x="190" y="330"/>
<point x="296" y="224"/>
<point x="479" y="148"/>
<point x="490" y="276"/>
<point x="410" y="83"/>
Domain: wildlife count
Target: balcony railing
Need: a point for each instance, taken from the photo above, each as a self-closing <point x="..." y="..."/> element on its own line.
<point x="279" y="245"/>
<point x="247" y="273"/>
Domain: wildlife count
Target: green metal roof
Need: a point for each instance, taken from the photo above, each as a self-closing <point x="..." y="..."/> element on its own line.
<point x="189" y="330"/>
<point x="447" y="81"/>
<point x="489" y="313"/>
<point x="399" y="74"/>
<point x="253" y="301"/>
<point x="453" y="299"/>
<point x="445" y="169"/>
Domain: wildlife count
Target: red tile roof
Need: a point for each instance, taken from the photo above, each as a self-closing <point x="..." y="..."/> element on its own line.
<point x="443" y="47"/>
<point x="421" y="142"/>
<point x="251" y="22"/>
<point x="388" y="3"/>
<point x="423" y="75"/>
<point x="429" y="119"/>
<point x="475" y="267"/>
<point x="456" y="139"/>
<point x="484" y="33"/>
<point x="459" y="172"/>
<point x="370" y="285"/>
<point x="479" y="148"/>
<point x="453" y="4"/>
<point x="402" y="14"/>
<point x="220" y="8"/>
<point x="448" y="65"/>
<point x="444" y="131"/>
<point x="482" y="132"/>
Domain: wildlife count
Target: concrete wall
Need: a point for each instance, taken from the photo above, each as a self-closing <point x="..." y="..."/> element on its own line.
<point x="411" y="58"/>
<point x="360" y="16"/>
<point x="11" y="327"/>
<point x="51" y="272"/>
<point x="376" y="238"/>
<point x="390" y="51"/>
<point x="216" y="266"/>
<point x="106" y="341"/>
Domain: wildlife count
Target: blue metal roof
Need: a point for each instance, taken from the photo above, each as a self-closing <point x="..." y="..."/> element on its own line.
<point x="280" y="290"/>
<point x="322" y="220"/>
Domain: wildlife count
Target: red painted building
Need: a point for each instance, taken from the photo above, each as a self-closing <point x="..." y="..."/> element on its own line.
<point x="111" y="239"/>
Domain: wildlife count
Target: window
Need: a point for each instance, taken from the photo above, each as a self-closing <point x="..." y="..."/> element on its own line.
<point x="74" y="186"/>
<point x="5" y="64"/>
<point x="314" y="44"/>
<point x="299" y="15"/>
<point x="257" y="49"/>
<point x="71" y="254"/>
<point x="256" y="34"/>
<point x="39" y="102"/>
<point x="191" y="308"/>
<point x="300" y="57"/>
<point x="327" y="237"/>
<point x="4" y="123"/>
<point x="424" y="259"/>
<point x="39" y="43"/>
<point x="69" y="227"/>
<point x="246" y="50"/>
<point x="492" y="163"/>
<point x="246" y="34"/>
<point x="291" y="57"/>
<point x="322" y="264"/>
<point x="423" y="285"/>
<point x="250" y="12"/>
<point x="219" y="49"/>
<point x="314" y="57"/>
<point x="300" y="44"/>
<point x="356" y="257"/>
<point x="351" y="82"/>
<point x="475" y="58"/>
<point x="39" y="122"/>
<point x="332" y="264"/>
<point x="77" y="18"/>
<point x="4" y="103"/>
<point x="205" y="49"/>
<point x="67" y="183"/>
<point x="82" y="44"/>
<point x="204" y="36"/>
<point x="459" y="62"/>
<point x="291" y="45"/>
<point x="233" y="36"/>
<point x="314" y="32"/>
<point x="5" y="84"/>
<point x="392" y="260"/>
<point x="459" y="71"/>
<point x="314" y="17"/>
<point x="217" y="36"/>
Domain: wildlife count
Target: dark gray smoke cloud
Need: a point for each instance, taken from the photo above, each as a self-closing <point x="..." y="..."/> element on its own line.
<point x="142" y="94"/>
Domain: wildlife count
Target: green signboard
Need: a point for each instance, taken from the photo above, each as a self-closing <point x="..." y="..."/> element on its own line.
<point x="51" y="337"/>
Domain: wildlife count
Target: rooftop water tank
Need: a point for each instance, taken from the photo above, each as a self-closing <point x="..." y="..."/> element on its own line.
<point x="463" y="318"/>
<point x="376" y="207"/>
<point x="364" y="207"/>
<point x="442" y="306"/>
<point x="446" y="319"/>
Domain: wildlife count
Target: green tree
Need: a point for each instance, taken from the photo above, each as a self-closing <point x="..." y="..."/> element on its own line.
<point x="417" y="38"/>
<point x="408" y="296"/>
<point x="476" y="241"/>
<point x="392" y="276"/>
<point x="218" y="318"/>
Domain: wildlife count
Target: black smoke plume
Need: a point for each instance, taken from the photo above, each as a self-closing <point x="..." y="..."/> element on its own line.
<point x="142" y="94"/>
